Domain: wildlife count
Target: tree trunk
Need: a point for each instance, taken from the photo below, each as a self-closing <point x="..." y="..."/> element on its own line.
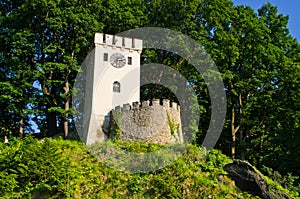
<point x="241" y="127"/>
<point x="232" y="132"/>
<point x="67" y="107"/>
<point x="51" y="123"/>
<point x="261" y="144"/>
<point x="234" y="129"/>
<point x="67" y="101"/>
<point x="50" y="115"/>
<point x="21" y="124"/>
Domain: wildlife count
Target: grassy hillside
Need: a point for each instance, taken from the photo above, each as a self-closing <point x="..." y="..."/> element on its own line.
<point x="64" y="169"/>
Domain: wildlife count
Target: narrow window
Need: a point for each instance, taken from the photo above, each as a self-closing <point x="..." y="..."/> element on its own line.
<point x="129" y="61"/>
<point x="116" y="87"/>
<point x="114" y="40"/>
<point x="105" y="57"/>
<point x="123" y="41"/>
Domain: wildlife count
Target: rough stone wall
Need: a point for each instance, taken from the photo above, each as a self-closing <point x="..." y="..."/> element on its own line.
<point x="148" y="123"/>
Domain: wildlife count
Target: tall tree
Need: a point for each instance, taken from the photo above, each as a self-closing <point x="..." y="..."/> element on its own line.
<point x="60" y="34"/>
<point x="17" y="73"/>
<point x="252" y="50"/>
<point x="281" y="141"/>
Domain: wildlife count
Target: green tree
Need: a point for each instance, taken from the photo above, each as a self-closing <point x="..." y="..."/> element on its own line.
<point x="16" y="73"/>
<point x="118" y="16"/>
<point x="59" y="34"/>
<point x="281" y="141"/>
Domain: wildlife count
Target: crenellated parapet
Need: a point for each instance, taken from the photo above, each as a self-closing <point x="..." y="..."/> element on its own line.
<point x="118" y="42"/>
<point x="145" y="104"/>
<point x="148" y="121"/>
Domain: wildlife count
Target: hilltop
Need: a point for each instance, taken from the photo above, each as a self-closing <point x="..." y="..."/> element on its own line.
<point x="57" y="168"/>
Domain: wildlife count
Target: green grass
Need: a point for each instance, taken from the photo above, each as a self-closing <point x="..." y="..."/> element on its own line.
<point x="65" y="169"/>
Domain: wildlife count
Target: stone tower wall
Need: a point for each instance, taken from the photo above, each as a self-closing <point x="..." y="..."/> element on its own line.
<point x="155" y="123"/>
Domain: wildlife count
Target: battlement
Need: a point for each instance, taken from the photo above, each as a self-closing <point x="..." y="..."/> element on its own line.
<point x="145" y="104"/>
<point x="117" y="41"/>
<point x="148" y="121"/>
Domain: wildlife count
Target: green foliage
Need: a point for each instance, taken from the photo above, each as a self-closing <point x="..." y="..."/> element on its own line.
<point x="137" y="147"/>
<point x="287" y="181"/>
<point x="42" y="44"/>
<point x="174" y="128"/>
<point x="63" y="169"/>
<point x="115" y="127"/>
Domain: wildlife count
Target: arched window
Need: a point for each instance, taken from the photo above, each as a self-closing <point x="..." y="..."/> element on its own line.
<point x="116" y="87"/>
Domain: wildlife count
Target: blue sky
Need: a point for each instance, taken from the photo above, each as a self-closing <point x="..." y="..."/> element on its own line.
<point x="288" y="7"/>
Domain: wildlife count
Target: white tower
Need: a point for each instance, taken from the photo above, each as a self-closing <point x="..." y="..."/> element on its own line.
<point x="112" y="80"/>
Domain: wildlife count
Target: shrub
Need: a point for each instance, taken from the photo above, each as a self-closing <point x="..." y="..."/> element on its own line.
<point x="64" y="169"/>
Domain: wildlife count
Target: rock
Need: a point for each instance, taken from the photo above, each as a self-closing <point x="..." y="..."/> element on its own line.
<point x="247" y="179"/>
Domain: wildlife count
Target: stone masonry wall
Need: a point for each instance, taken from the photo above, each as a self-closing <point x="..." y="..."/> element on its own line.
<point x="148" y="123"/>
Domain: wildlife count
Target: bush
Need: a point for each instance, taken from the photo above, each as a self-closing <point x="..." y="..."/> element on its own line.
<point x="64" y="169"/>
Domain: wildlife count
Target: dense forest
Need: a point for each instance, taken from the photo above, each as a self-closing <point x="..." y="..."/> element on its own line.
<point x="44" y="42"/>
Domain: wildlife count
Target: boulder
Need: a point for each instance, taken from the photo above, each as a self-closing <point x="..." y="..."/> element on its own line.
<point x="247" y="179"/>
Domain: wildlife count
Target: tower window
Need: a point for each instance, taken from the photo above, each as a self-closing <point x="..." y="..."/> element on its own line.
<point x="129" y="61"/>
<point x="123" y="41"/>
<point x="116" y="87"/>
<point x="105" y="57"/>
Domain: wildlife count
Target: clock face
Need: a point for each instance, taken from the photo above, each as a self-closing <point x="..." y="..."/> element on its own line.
<point x="117" y="60"/>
